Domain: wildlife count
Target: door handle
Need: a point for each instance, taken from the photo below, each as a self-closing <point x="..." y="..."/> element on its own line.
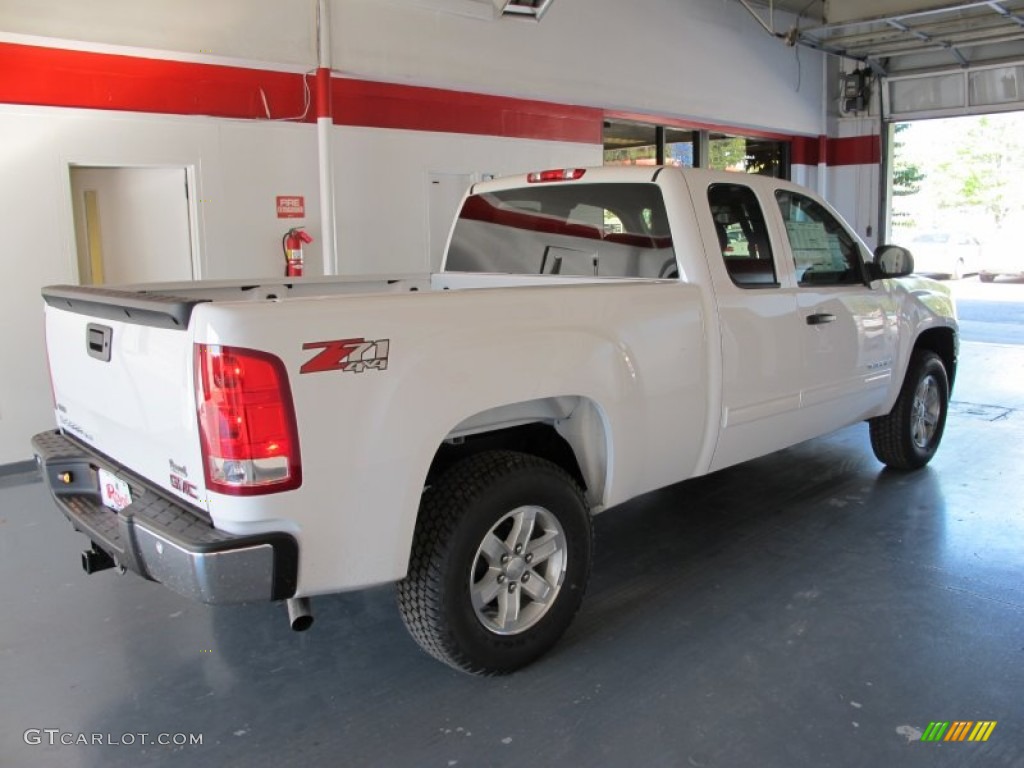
<point x="820" y="318"/>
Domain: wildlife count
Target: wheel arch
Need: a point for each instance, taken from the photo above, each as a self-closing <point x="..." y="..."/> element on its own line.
<point x="941" y="341"/>
<point x="569" y="431"/>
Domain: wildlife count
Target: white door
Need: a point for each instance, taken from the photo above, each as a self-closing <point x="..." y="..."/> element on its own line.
<point x="132" y="225"/>
<point x="756" y="301"/>
<point x="848" y="330"/>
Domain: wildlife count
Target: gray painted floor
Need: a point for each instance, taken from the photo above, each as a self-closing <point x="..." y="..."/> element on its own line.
<point x="805" y="609"/>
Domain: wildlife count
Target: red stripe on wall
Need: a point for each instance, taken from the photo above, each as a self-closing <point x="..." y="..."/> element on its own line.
<point x="854" y="150"/>
<point x="61" y="78"/>
<point x="58" y="77"/>
<point x="805" y="150"/>
<point x="385" y="105"/>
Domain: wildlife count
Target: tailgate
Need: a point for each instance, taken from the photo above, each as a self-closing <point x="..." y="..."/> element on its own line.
<point x="121" y="366"/>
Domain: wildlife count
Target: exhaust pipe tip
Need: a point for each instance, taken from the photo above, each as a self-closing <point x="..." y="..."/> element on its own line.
<point x="300" y="614"/>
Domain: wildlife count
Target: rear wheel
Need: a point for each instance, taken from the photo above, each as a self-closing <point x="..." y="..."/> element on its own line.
<point x="500" y="561"/>
<point x="908" y="436"/>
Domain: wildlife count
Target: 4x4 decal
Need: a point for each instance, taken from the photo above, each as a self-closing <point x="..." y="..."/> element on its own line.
<point x="347" y="355"/>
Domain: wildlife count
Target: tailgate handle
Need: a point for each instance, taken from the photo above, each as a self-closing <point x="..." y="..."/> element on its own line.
<point x="97" y="341"/>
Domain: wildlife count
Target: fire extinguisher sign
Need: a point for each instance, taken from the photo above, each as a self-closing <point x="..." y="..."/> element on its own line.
<point x="291" y="207"/>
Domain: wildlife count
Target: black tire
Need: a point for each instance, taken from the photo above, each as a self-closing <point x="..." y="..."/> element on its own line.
<point x="908" y="436"/>
<point x="985" y="277"/>
<point x="469" y="507"/>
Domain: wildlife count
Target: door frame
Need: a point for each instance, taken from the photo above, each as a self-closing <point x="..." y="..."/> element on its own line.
<point x="192" y="207"/>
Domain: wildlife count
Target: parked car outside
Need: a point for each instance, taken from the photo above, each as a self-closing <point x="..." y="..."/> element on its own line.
<point x="1004" y="257"/>
<point x="950" y="254"/>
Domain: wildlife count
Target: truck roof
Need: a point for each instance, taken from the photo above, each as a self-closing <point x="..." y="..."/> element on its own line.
<point x="613" y="174"/>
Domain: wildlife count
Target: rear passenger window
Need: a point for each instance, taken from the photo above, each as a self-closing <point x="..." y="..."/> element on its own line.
<point x="595" y="230"/>
<point x="742" y="235"/>
<point x="824" y="252"/>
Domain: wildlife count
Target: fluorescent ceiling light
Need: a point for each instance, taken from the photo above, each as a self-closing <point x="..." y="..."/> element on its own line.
<point x="530" y="9"/>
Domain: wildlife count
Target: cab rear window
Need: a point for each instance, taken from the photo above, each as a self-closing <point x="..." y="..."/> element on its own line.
<point x="602" y="230"/>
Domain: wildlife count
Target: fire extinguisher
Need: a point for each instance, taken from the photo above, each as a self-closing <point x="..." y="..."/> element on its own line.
<point x="291" y="244"/>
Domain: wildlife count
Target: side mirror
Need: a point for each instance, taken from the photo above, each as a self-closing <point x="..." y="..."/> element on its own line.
<point x="892" y="261"/>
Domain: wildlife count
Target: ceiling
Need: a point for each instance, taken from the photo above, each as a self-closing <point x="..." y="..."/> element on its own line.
<point x="895" y="36"/>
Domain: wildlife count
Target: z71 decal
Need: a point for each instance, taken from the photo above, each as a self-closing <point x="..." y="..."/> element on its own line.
<point x="347" y="356"/>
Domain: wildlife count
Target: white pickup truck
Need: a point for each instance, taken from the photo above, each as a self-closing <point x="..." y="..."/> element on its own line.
<point x="595" y="334"/>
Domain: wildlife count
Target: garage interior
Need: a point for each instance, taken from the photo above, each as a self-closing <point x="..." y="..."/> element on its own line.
<point x="805" y="608"/>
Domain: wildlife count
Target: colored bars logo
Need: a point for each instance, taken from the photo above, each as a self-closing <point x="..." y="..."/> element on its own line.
<point x="959" y="730"/>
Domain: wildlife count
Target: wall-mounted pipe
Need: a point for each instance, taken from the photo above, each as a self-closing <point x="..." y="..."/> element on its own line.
<point x="324" y="124"/>
<point x="823" y="165"/>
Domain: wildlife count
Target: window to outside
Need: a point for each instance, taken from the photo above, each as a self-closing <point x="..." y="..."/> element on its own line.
<point x="680" y="147"/>
<point x="603" y="230"/>
<point x="748" y="155"/>
<point x="742" y="235"/>
<point x="630" y="143"/>
<point x="627" y="143"/>
<point x="823" y="251"/>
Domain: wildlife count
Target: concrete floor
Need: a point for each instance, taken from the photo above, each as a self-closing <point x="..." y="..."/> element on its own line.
<point x="805" y="609"/>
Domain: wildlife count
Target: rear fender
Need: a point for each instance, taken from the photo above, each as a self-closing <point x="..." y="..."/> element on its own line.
<point x="579" y="420"/>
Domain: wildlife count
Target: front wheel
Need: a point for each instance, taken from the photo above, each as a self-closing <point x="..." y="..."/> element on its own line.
<point x="500" y="561"/>
<point x="986" y="277"/>
<point x="908" y="436"/>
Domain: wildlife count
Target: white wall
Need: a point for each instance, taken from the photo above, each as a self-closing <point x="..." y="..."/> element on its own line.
<point x="239" y="168"/>
<point x="254" y="163"/>
<point x="854" y="189"/>
<point x="388" y="234"/>
<point x="280" y="31"/>
<point x="702" y="59"/>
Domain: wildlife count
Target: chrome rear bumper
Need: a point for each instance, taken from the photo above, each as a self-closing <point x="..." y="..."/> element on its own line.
<point x="163" y="539"/>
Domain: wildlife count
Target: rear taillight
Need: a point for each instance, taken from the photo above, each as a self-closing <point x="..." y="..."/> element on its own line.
<point x="557" y="174"/>
<point x="246" y="421"/>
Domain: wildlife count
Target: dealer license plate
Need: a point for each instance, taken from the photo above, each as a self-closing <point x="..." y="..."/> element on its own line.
<point x="114" y="491"/>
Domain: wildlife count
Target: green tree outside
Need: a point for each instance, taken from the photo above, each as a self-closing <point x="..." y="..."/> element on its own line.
<point x="962" y="173"/>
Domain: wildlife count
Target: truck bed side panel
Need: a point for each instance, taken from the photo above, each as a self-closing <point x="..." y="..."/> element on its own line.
<point x="634" y="349"/>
